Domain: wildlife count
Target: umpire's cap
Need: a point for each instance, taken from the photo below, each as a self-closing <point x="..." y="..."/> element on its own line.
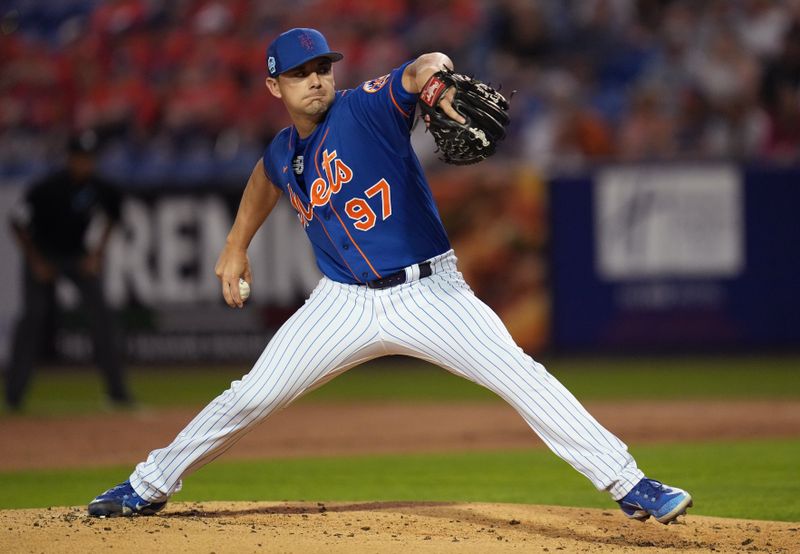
<point x="295" y="47"/>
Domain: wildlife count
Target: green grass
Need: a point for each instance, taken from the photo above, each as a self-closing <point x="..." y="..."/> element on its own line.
<point x="753" y="479"/>
<point x="58" y="392"/>
<point x="748" y="479"/>
<point x="587" y="378"/>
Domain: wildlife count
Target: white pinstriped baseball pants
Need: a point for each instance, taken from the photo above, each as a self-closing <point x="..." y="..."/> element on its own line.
<point x="437" y="319"/>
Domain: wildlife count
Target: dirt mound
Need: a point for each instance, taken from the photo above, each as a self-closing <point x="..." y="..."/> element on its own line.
<point x="382" y="527"/>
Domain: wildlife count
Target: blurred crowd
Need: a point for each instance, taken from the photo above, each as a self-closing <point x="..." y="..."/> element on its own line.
<point x="176" y="88"/>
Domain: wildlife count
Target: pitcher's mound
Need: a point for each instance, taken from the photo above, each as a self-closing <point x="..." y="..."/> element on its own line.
<point x="402" y="527"/>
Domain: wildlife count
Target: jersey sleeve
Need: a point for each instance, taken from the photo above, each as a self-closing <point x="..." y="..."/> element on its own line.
<point x="271" y="161"/>
<point x="385" y="107"/>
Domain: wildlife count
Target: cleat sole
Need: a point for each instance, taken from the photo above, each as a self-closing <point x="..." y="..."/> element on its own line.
<point x="113" y="509"/>
<point x="679" y="510"/>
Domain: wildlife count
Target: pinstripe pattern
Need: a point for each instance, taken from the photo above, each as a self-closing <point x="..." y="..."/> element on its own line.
<point x="338" y="330"/>
<point x="437" y="319"/>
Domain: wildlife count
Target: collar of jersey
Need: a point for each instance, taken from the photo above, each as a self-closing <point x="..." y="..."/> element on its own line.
<point x="295" y="135"/>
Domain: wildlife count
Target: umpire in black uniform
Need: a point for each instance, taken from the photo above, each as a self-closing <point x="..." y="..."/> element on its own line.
<point x="50" y="226"/>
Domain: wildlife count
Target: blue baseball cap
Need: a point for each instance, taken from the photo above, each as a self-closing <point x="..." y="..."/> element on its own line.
<point x="295" y="47"/>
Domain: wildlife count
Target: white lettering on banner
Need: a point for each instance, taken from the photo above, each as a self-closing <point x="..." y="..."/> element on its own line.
<point x="668" y="222"/>
<point x="212" y="231"/>
<point x="143" y="255"/>
<point x="128" y="271"/>
<point x="165" y="253"/>
<point x="177" y="250"/>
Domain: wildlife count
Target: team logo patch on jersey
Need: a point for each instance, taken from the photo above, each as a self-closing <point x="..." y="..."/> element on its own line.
<point x="297" y="165"/>
<point x="375" y="84"/>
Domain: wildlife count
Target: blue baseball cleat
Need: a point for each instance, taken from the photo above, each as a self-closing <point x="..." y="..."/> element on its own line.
<point x="651" y="498"/>
<point x="122" y="500"/>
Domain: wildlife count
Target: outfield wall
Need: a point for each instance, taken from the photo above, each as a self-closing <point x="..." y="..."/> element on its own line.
<point x="629" y="259"/>
<point x="159" y="276"/>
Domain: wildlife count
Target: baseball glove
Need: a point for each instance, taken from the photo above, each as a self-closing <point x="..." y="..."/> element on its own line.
<point x="484" y="108"/>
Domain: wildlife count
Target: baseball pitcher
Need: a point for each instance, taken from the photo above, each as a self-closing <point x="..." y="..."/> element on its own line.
<point x="391" y="284"/>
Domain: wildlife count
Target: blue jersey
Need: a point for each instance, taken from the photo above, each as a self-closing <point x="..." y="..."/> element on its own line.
<point x="362" y="196"/>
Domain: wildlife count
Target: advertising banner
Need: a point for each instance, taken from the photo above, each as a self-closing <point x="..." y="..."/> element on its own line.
<point x="664" y="257"/>
<point x="159" y="277"/>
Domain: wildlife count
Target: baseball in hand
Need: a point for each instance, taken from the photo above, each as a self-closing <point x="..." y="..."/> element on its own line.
<point x="244" y="289"/>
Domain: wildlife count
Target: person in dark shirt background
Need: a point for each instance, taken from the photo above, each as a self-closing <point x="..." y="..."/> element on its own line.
<point x="51" y="226"/>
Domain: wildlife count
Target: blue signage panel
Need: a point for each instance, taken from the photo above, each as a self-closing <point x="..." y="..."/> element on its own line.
<point x="676" y="257"/>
